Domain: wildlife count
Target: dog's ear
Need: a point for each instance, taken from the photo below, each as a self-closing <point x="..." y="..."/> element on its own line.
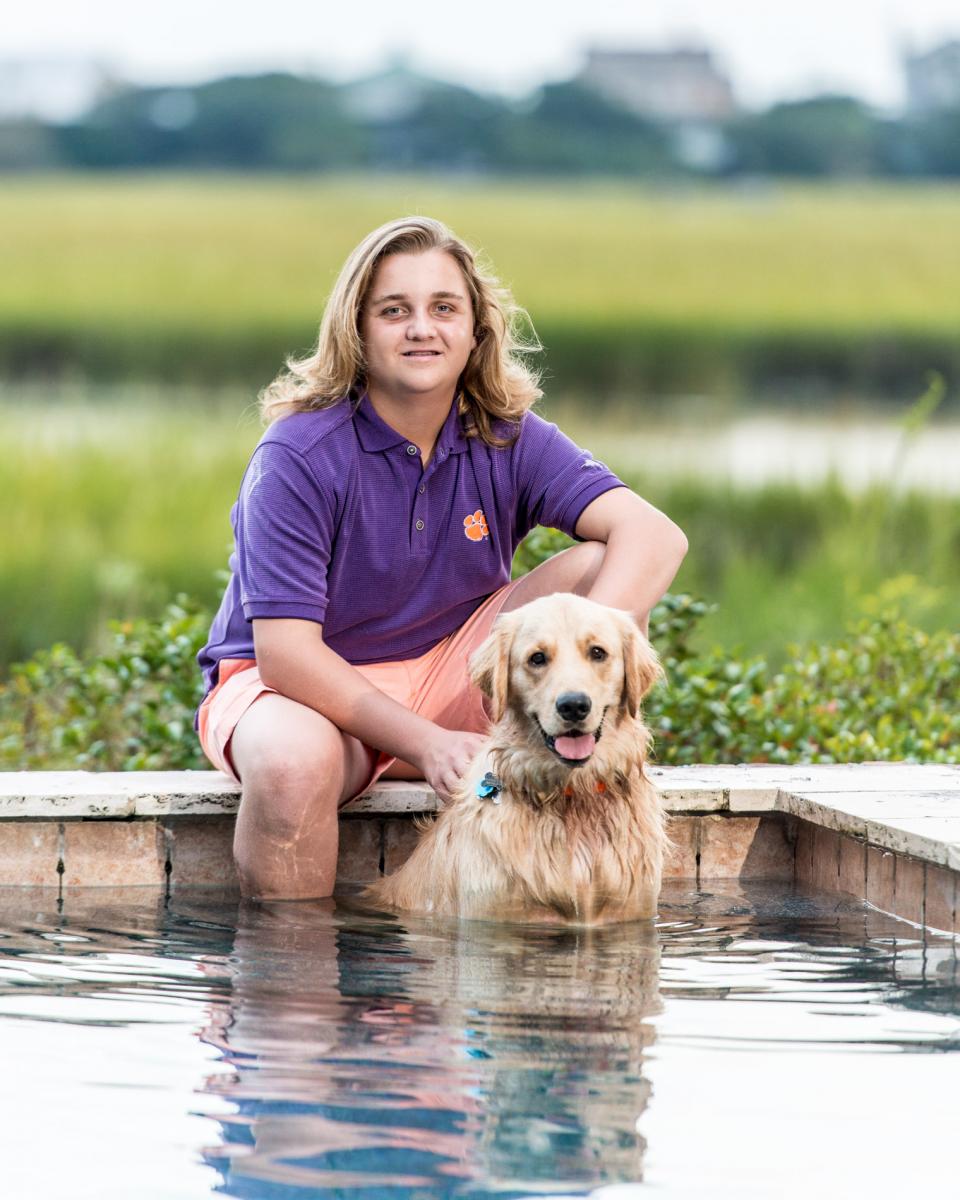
<point x="490" y="666"/>
<point x="641" y="666"/>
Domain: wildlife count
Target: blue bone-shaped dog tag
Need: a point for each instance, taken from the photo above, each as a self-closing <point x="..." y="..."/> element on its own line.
<point x="489" y="788"/>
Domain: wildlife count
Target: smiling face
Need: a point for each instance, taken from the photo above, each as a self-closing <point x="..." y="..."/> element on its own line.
<point x="566" y="667"/>
<point x="416" y="325"/>
<point x="567" y="672"/>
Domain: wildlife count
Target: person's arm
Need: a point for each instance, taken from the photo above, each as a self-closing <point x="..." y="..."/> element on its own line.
<point x="644" y="551"/>
<point x="293" y="658"/>
<point x="562" y="486"/>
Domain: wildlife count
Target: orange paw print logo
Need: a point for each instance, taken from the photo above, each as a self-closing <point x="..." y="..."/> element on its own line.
<point x="475" y="526"/>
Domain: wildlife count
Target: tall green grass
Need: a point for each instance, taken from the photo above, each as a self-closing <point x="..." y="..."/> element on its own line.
<point x="212" y="278"/>
<point x="119" y="504"/>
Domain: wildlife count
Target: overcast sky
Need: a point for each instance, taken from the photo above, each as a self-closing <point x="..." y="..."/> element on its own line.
<point x="770" y="48"/>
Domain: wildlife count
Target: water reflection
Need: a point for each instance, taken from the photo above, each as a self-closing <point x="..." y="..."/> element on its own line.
<point x="319" y="1050"/>
<point x="423" y="1055"/>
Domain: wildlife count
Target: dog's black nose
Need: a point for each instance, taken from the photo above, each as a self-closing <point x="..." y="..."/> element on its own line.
<point x="573" y="706"/>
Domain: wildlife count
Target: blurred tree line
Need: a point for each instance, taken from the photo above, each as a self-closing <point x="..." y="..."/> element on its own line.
<point x="400" y="121"/>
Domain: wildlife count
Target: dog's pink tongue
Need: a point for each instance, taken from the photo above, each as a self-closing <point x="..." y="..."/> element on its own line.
<point x="575" y="747"/>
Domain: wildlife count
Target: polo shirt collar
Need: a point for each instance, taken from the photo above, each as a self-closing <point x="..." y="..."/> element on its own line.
<point x="372" y="430"/>
<point x="375" y="434"/>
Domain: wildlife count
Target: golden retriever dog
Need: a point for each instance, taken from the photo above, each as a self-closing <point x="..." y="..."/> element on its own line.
<point x="555" y="820"/>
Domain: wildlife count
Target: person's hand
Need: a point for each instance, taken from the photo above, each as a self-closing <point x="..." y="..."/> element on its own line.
<point x="446" y="757"/>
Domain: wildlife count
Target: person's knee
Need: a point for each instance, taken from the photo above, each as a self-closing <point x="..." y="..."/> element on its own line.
<point x="572" y="570"/>
<point x="583" y="566"/>
<point x="286" y="767"/>
<point x="288" y="789"/>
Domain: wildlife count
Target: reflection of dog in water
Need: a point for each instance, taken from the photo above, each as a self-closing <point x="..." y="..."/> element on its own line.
<point x="556" y="819"/>
<point x="371" y="1051"/>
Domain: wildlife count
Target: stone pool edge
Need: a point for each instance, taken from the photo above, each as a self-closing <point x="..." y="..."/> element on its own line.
<point x="888" y="833"/>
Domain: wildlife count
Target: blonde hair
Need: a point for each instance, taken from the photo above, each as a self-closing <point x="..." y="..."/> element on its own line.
<point x="495" y="383"/>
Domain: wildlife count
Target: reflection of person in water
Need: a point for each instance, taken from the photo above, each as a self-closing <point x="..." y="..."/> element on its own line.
<point x="372" y="1054"/>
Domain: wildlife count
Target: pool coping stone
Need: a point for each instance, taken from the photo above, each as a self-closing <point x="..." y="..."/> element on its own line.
<point x="907" y="808"/>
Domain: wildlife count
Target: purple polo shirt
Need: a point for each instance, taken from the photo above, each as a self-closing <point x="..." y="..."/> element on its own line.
<point x="338" y="522"/>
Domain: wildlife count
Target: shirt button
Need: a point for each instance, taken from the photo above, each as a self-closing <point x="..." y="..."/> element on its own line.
<point x="419" y="524"/>
<point x="412" y="450"/>
<point x="421" y="489"/>
<point x="441" y="453"/>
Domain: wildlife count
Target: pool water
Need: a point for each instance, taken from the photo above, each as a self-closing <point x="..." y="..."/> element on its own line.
<point x="759" y="1041"/>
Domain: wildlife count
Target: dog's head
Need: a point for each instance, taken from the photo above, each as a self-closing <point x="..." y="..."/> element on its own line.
<point x="567" y="665"/>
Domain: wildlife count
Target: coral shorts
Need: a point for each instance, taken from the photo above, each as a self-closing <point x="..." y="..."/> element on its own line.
<point x="436" y="685"/>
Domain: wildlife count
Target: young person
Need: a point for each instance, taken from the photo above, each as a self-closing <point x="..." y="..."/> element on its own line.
<point x="375" y="529"/>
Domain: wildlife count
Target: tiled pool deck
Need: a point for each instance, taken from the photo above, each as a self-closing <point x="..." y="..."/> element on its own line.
<point x="887" y="833"/>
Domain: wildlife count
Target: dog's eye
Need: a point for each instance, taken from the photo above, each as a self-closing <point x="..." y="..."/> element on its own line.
<point x="597" y="653"/>
<point x="537" y="658"/>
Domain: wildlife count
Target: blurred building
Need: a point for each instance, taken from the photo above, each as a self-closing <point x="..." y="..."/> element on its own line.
<point x="682" y="88"/>
<point x="665" y="85"/>
<point x="933" y="79"/>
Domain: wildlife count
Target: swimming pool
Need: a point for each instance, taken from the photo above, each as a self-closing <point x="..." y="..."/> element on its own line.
<point x="763" y="1039"/>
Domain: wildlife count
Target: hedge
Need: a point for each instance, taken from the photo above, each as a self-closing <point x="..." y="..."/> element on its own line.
<point x="886" y="691"/>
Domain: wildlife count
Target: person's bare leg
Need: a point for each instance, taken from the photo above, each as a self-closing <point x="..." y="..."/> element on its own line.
<point x="572" y="570"/>
<point x="402" y="770"/>
<point x="296" y="768"/>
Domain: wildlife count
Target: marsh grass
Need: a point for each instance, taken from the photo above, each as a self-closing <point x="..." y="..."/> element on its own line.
<point x="118" y="505"/>
<point x="206" y="278"/>
<point x="123" y="501"/>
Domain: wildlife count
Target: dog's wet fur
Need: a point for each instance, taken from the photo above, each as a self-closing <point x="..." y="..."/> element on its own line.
<point x="578" y="835"/>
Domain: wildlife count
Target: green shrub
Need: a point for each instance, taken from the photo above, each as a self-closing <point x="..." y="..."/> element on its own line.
<point x="887" y="691"/>
<point x="129" y="709"/>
